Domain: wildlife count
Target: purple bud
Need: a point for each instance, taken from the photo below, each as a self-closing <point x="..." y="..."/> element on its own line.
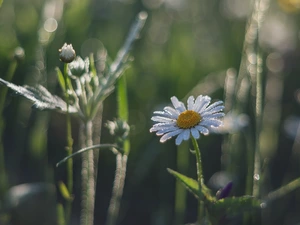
<point x="225" y="191"/>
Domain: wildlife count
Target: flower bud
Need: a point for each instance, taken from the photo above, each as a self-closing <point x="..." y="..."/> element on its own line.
<point x="225" y="191"/>
<point x="77" y="67"/>
<point x="67" y="53"/>
<point x="118" y="128"/>
<point x="19" y="54"/>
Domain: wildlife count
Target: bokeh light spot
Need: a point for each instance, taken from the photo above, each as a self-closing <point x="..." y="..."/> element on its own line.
<point x="50" y="25"/>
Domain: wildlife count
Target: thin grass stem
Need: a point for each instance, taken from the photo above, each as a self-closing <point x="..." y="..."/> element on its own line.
<point x="258" y="106"/>
<point x="3" y="92"/>
<point x="60" y="214"/>
<point x="180" y="191"/>
<point x="81" y="151"/>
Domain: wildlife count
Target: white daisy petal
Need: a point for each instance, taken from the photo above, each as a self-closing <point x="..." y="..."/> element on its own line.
<point x="215" y="104"/>
<point x="213" y="110"/>
<point x="171" y="111"/>
<point x="202" y="129"/>
<point x="164" y="114"/>
<point x="167" y="136"/>
<point x="166" y="130"/>
<point x="186" y="134"/>
<point x="163" y="125"/>
<point x="158" y="112"/>
<point x="161" y="119"/>
<point x="195" y="133"/>
<point x="177" y="104"/>
<point x="211" y="123"/>
<point x="197" y="102"/>
<point x="190" y="103"/>
<point x="179" y="139"/>
<point x="203" y="102"/>
<point x="157" y="128"/>
<point x="213" y="116"/>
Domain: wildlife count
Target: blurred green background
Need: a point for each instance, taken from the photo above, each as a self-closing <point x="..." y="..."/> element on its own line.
<point x="185" y="45"/>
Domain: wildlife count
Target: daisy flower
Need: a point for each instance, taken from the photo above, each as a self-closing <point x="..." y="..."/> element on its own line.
<point x="182" y="122"/>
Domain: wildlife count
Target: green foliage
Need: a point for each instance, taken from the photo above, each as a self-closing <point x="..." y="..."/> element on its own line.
<point x="192" y="186"/>
<point x="61" y="79"/>
<point x="40" y="96"/>
<point x="64" y="191"/>
<point x="193" y="47"/>
<point x="234" y="205"/>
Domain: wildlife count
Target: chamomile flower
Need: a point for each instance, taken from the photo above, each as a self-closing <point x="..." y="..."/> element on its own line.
<point x="182" y="122"/>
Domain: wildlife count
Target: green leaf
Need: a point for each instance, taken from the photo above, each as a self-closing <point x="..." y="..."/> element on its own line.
<point x="192" y="186"/>
<point x="122" y="99"/>
<point x="92" y="65"/>
<point x="64" y="191"/>
<point x="61" y="79"/>
<point x="1" y="1"/>
<point x="123" y="107"/>
<point x="235" y="205"/>
<point x="40" y="96"/>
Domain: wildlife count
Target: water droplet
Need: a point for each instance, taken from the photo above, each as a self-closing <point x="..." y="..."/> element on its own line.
<point x="256" y="176"/>
<point x="263" y="205"/>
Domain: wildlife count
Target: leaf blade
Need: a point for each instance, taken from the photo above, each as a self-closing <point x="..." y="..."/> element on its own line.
<point x="42" y="99"/>
<point x="190" y="184"/>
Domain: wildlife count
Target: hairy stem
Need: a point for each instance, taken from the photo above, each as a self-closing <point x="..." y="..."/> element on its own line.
<point x="259" y="103"/>
<point x="117" y="192"/>
<point x="121" y="159"/>
<point x="200" y="179"/>
<point x="88" y="179"/>
<point x="69" y="149"/>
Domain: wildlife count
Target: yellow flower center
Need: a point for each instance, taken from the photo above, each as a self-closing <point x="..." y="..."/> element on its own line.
<point x="188" y="119"/>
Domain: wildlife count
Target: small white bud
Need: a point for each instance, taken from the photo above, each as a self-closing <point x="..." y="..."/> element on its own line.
<point x="67" y="54"/>
<point x="77" y="67"/>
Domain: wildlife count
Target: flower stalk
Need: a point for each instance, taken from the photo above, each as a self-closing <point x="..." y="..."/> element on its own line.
<point x="200" y="179"/>
<point x="117" y="191"/>
<point x="69" y="147"/>
<point x="121" y="159"/>
<point x="88" y="179"/>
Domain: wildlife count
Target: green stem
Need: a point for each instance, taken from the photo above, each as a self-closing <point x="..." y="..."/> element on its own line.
<point x="3" y="92"/>
<point x="121" y="159"/>
<point x="180" y="191"/>
<point x="88" y="179"/>
<point x="200" y="179"/>
<point x="258" y="110"/>
<point x="69" y="148"/>
<point x="118" y="65"/>
<point x="117" y="191"/>
<point x="60" y="214"/>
